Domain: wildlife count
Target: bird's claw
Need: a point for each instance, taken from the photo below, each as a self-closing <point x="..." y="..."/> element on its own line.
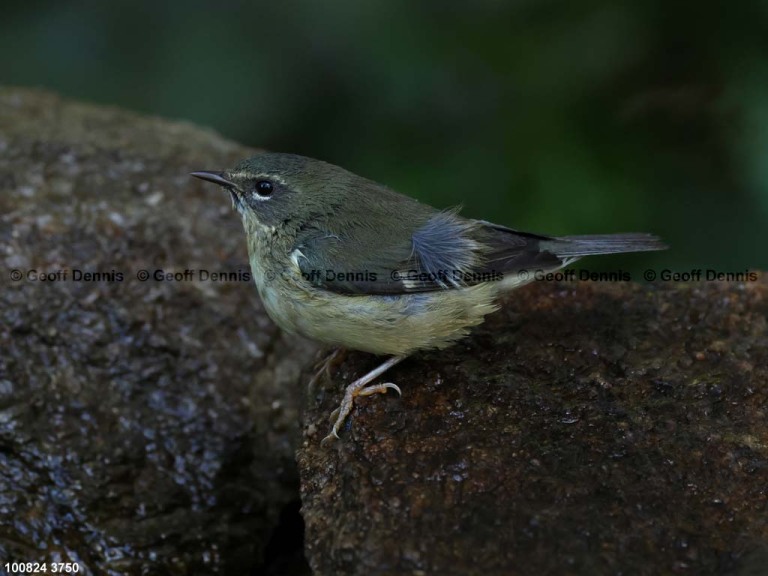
<point x="332" y="437"/>
<point x="334" y="415"/>
<point x="380" y="389"/>
<point x="359" y="388"/>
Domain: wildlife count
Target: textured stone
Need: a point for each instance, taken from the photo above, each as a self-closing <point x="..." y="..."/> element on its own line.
<point x="146" y="427"/>
<point x="583" y="429"/>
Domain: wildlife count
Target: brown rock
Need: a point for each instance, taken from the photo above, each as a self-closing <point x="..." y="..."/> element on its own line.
<point x="149" y="426"/>
<point x="583" y="429"/>
<point x="145" y="426"/>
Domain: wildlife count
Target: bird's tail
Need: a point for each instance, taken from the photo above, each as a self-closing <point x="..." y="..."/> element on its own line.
<point x="577" y="246"/>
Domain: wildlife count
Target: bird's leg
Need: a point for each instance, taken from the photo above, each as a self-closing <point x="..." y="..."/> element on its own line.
<point x="324" y="367"/>
<point x="359" y="388"/>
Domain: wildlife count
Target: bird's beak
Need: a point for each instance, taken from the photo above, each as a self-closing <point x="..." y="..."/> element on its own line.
<point x="215" y="177"/>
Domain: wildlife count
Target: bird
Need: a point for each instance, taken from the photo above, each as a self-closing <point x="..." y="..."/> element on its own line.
<point x="351" y="263"/>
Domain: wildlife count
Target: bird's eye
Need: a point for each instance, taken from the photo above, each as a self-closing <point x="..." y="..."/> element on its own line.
<point x="264" y="188"/>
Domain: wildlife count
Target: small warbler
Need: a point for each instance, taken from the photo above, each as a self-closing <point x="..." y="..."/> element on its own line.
<point x="349" y="262"/>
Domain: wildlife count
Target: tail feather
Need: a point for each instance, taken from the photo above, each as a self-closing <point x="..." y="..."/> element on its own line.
<point x="576" y="246"/>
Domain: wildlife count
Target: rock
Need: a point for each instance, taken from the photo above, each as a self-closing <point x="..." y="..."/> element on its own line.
<point x="148" y="426"/>
<point x="585" y="428"/>
<point x="145" y="426"/>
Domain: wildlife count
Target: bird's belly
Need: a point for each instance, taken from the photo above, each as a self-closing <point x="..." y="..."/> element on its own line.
<point x="397" y="325"/>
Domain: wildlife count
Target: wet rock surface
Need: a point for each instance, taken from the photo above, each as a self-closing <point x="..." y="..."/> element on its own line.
<point x="583" y="429"/>
<point x="146" y="427"/>
<point x="149" y="427"/>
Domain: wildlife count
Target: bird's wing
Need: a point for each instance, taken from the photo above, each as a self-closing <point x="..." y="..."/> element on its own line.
<point x="512" y="251"/>
<point x="441" y="252"/>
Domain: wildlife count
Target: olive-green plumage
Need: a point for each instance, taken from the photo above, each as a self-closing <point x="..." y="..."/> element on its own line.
<point x="324" y="219"/>
<point x="349" y="262"/>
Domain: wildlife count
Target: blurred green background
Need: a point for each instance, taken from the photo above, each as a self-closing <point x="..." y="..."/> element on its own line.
<point x="559" y="117"/>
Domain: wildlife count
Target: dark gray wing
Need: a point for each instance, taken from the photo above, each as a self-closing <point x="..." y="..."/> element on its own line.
<point x="510" y="251"/>
<point x="439" y="252"/>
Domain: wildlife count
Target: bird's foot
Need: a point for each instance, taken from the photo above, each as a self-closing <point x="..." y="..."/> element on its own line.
<point x="325" y="366"/>
<point x="360" y="388"/>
